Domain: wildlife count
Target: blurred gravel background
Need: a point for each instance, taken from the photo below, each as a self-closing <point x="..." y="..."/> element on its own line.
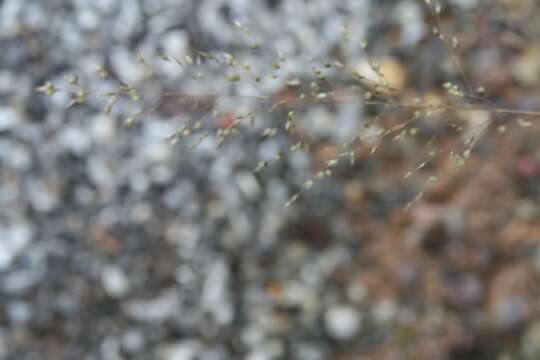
<point x="116" y="245"/>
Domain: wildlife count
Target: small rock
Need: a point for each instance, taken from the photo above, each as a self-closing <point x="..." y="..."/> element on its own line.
<point x="175" y="45"/>
<point x="43" y="195"/>
<point x="20" y="281"/>
<point x="115" y="281"/>
<point x="531" y="343"/>
<point x="385" y="311"/>
<point x="356" y="291"/>
<point x="526" y="68"/>
<point x="393" y="73"/>
<point x="248" y="184"/>
<point x="342" y="322"/>
<point x="215" y="293"/>
<point x="9" y="118"/>
<point x="133" y="341"/>
<point x="3" y="344"/>
<point x="158" y="309"/>
<point x="18" y="312"/>
<point x="75" y="140"/>
<point x="126" y="66"/>
<point x="14" y="240"/>
<point x="509" y="296"/>
<point x="88" y="20"/>
<point x="185" y="350"/>
<point x="409" y="15"/>
<point x="511" y="311"/>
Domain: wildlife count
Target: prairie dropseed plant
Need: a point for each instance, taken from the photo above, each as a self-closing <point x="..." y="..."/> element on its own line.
<point x="222" y="94"/>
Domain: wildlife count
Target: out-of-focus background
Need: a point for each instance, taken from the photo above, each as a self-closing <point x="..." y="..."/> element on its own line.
<point x="116" y="245"/>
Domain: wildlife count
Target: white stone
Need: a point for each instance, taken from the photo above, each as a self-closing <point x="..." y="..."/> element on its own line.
<point x="248" y="184"/>
<point x="185" y="350"/>
<point x="115" y="281"/>
<point x="102" y="129"/>
<point x="133" y="341"/>
<point x="215" y="293"/>
<point x="15" y="238"/>
<point x="342" y="322"/>
<point x="9" y="118"/>
<point x="75" y="139"/>
<point x="158" y="309"/>
<point x="175" y="44"/>
<point x="88" y="19"/>
<point x="126" y="66"/>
